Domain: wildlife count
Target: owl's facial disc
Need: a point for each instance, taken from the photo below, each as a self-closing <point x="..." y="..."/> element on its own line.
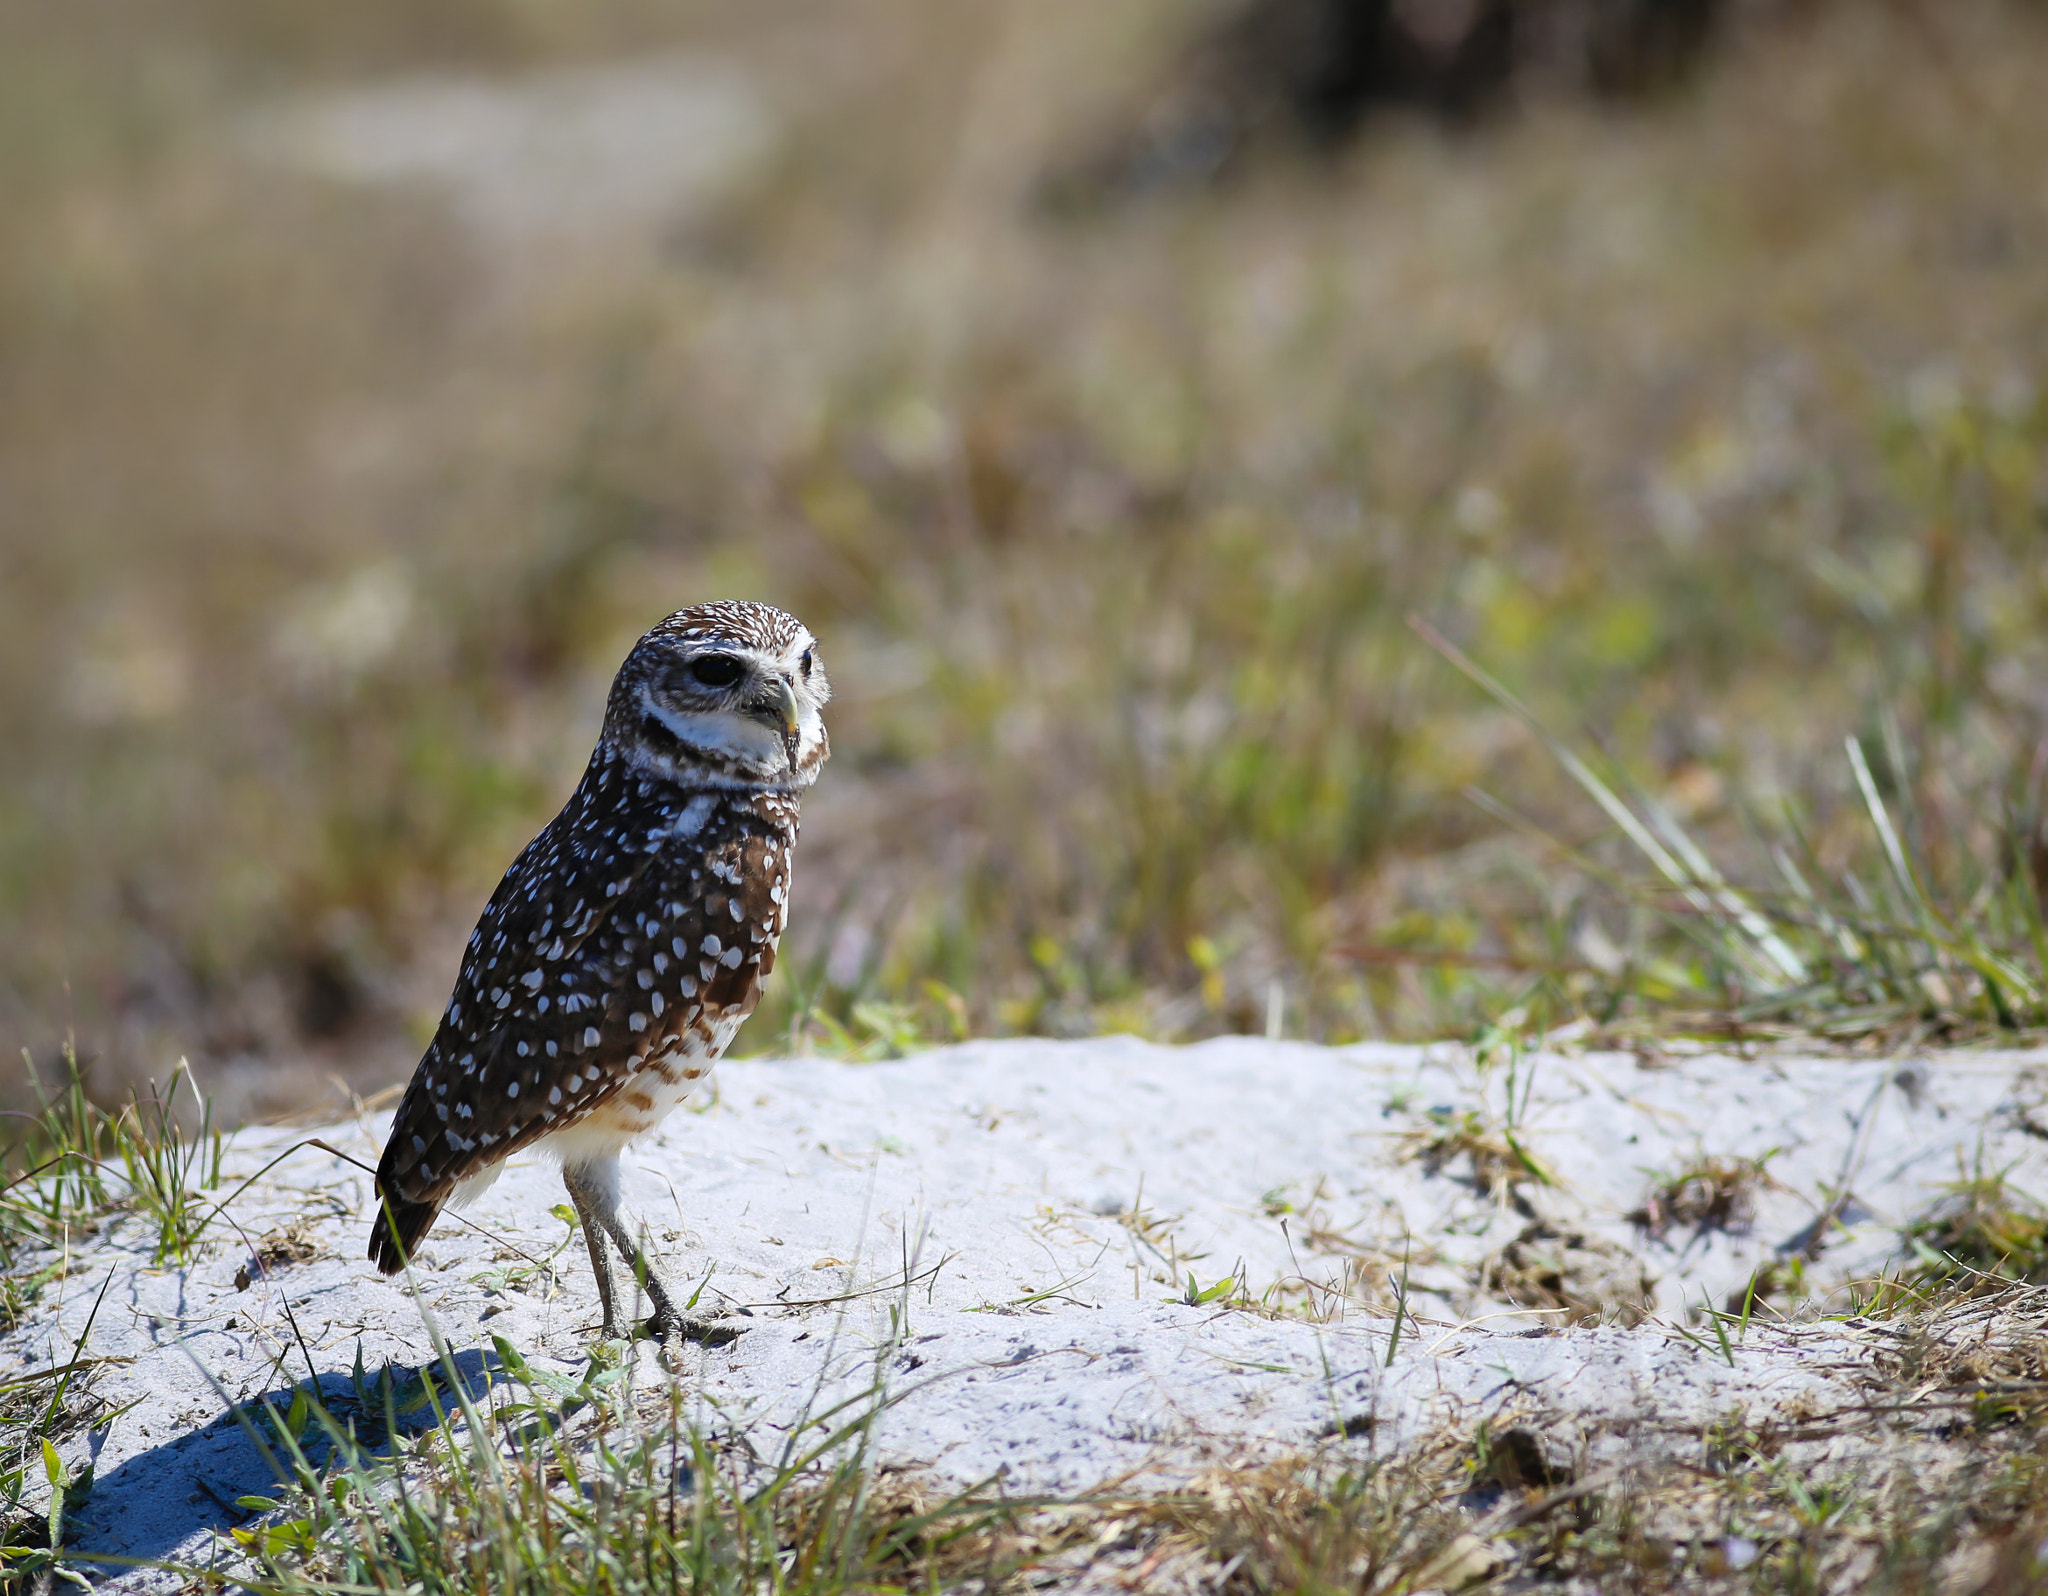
<point x="741" y="710"/>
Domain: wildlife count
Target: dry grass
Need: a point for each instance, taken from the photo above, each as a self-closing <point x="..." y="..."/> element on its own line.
<point x="1935" y="1482"/>
<point x="1578" y="1278"/>
<point x="1709" y="1193"/>
<point x="555" y="1484"/>
<point x="1717" y="427"/>
<point x="1984" y="1234"/>
<point x="1933" y="1479"/>
<point x="1493" y="1159"/>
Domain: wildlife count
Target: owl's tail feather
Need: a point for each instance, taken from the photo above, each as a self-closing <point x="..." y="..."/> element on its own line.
<point x="400" y="1227"/>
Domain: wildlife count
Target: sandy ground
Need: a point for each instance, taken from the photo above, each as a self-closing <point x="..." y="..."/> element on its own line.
<point x="1008" y="1231"/>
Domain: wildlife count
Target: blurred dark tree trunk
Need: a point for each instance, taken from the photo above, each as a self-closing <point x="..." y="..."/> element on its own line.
<point x="1317" y="68"/>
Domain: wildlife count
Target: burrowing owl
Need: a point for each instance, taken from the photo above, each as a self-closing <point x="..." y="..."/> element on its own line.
<point x="627" y="942"/>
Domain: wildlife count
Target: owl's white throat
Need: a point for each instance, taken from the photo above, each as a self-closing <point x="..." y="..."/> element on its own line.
<point x="750" y="752"/>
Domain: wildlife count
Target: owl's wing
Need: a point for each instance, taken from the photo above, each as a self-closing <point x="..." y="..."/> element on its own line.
<point x="602" y="951"/>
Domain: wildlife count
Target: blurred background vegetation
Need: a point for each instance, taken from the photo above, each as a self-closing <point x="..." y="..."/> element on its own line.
<point x="1107" y="386"/>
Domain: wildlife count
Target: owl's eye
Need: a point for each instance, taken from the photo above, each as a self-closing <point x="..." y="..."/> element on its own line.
<point x="716" y="670"/>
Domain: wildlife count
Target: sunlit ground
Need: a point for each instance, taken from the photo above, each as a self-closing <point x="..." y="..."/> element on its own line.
<point x="343" y="455"/>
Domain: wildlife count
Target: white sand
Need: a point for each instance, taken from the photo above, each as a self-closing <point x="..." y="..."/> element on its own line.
<point x="1048" y="1201"/>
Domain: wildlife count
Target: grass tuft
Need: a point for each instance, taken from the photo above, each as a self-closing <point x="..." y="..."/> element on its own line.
<point x="1983" y="1235"/>
<point x="1916" y="932"/>
<point x="56" y="1166"/>
<point x="1709" y="1193"/>
<point x="1496" y="1159"/>
<point x="550" y="1483"/>
<point x="168" y="1172"/>
<point x="75" y="1164"/>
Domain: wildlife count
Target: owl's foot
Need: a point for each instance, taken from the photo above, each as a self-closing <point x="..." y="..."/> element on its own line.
<point x="622" y="1283"/>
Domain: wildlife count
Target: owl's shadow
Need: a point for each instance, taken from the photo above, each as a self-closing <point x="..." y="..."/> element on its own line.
<point x="157" y="1504"/>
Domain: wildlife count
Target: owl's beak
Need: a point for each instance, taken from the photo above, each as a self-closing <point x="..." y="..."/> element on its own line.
<point x="786" y="710"/>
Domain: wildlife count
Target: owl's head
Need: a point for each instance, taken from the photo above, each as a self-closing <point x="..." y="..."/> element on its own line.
<point x="723" y="695"/>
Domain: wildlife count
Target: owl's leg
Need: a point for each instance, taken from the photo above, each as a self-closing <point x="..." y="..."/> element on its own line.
<point x="578" y="1182"/>
<point x="594" y="1188"/>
